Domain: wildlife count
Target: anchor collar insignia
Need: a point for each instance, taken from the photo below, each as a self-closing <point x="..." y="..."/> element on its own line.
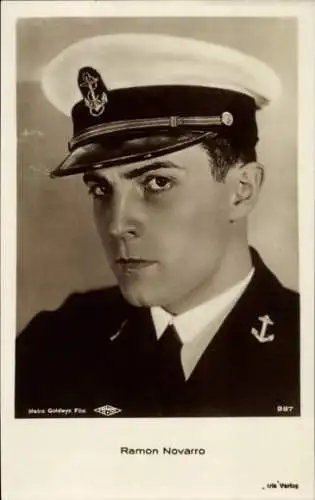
<point x="262" y="335"/>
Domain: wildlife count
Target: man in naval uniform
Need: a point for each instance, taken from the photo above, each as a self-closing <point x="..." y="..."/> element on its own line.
<point x="164" y="135"/>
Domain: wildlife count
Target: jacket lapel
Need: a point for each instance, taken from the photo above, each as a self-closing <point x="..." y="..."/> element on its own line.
<point x="134" y="365"/>
<point x="221" y="379"/>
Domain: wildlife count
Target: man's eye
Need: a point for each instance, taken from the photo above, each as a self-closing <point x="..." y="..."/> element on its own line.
<point x="99" y="191"/>
<point x="157" y="184"/>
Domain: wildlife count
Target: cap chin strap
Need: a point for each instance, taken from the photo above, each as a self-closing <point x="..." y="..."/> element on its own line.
<point x="64" y="169"/>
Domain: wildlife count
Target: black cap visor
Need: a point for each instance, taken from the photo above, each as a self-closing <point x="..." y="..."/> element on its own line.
<point x="117" y="151"/>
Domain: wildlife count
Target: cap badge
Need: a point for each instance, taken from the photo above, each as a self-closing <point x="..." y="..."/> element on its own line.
<point x="227" y="118"/>
<point x="93" y="90"/>
<point x="261" y="335"/>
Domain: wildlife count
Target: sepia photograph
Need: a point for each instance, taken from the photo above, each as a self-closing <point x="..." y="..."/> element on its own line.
<point x="157" y="260"/>
<point x="166" y="162"/>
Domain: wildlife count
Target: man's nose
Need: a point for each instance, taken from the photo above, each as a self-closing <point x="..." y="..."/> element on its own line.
<point x="126" y="215"/>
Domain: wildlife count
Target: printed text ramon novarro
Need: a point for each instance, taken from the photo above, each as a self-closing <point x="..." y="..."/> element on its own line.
<point x="165" y="450"/>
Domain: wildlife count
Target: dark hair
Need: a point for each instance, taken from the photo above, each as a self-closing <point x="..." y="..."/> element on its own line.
<point x="223" y="156"/>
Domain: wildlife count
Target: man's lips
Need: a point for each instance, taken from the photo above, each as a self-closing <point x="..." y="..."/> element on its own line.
<point x="133" y="263"/>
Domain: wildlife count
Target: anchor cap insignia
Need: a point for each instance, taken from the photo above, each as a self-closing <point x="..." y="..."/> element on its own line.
<point x="93" y="90"/>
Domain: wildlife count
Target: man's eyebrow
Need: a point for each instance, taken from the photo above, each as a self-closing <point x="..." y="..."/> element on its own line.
<point x="93" y="177"/>
<point x="151" y="167"/>
<point x="132" y="174"/>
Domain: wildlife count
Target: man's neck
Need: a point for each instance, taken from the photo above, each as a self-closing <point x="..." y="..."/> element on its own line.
<point x="234" y="267"/>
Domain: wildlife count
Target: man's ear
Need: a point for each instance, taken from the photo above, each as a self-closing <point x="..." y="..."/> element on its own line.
<point x="245" y="182"/>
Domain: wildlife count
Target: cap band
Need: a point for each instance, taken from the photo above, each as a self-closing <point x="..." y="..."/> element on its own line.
<point x="225" y="118"/>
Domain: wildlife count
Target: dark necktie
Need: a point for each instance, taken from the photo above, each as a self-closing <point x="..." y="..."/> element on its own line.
<point x="171" y="375"/>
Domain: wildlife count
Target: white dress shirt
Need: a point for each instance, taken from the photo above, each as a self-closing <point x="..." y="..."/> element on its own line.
<point x="197" y="327"/>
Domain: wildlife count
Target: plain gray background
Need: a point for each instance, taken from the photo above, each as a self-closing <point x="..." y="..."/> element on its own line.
<point x="58" y="248"/>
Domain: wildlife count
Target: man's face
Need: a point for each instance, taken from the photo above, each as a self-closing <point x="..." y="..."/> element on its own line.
<point x="164" y="224"/>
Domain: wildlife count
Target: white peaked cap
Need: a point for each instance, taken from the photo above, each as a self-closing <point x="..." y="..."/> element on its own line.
<point x="139" y="60"/>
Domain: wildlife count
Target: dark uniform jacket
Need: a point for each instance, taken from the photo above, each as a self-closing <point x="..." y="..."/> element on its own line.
<point x="98" y="351"/>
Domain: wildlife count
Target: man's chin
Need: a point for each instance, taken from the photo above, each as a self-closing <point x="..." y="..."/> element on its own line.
<point x="141" y="296"/>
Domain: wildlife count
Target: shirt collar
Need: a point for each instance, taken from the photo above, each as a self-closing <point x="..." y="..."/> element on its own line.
<point x="191" y="322"/>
